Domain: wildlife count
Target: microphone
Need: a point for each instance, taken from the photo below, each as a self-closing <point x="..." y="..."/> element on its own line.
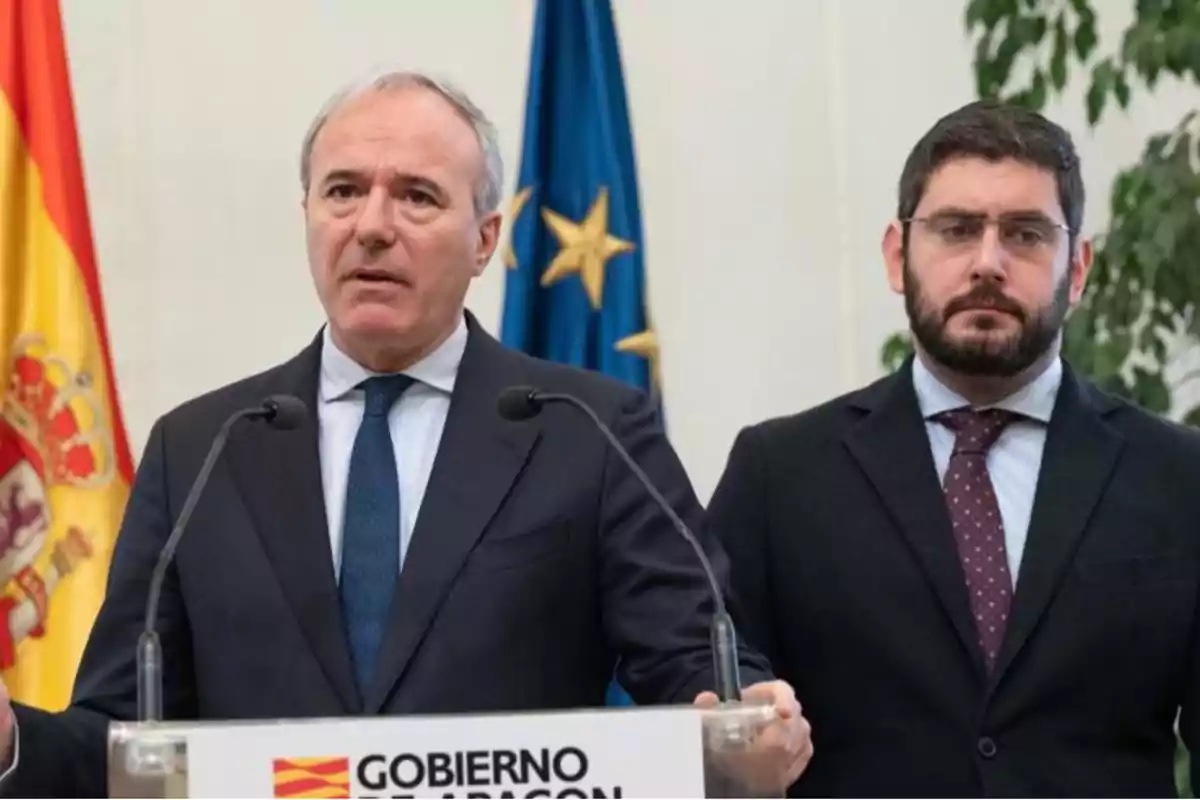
<point x="518" y="403"/>
<point x="282" y="412"/>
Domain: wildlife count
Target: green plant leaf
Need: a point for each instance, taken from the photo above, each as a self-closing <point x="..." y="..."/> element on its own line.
<point x="1102" y="75"/>
<point x="1115" y="384"/>
<point x="1192" y="417"/>
<point x="1150" y="391"/>
<point x="976" y="13"/>
<point x="1037" y="92"/>
<point x="1085" y="37"/>
<point x="897" y="348"/>
<point x="1083" y="9"/>
<point x="1176" y="45"/>
<point x="1149" y="335"/>
<point x="1006" y="54"/>
<point x="1079" y="336"/>
<point x="1058" y="59"/>
<point x="1104" y="365"/>
<point x="990" y="12"/>
<point x="1146" y="47"/>
<point x="1157" y="347"/>
<point x="1036" y="28"/>
<point x="1138" y="44"/>
<point x="985" y="75"/>
<point x="1121" y="344"/>
<point x="1121" y="89"/>
<point x="1109" y="356"/>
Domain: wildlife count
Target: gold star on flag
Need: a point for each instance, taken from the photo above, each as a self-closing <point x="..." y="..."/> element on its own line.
<point x="586" y="247"/>
<point x="644" y="344"/>
<point x="514" y="212"/>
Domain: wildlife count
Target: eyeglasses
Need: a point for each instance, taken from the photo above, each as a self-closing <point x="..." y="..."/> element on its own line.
<point x="1028" y="235"/>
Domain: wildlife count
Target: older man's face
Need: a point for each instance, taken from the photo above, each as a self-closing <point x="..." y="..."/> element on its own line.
<point x="394" y="238"/>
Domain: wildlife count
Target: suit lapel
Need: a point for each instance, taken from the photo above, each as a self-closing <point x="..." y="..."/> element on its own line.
<point x="892" y="447"/>
<point x="1080" y="453"/>
<point x="478" y="459"/>
<point x="279" y="476"/>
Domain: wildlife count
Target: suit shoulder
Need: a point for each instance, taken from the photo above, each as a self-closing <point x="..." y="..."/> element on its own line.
<point x="830" y="418"/>
<point x="1139" y="426"/>
<point x="205" y="412"/>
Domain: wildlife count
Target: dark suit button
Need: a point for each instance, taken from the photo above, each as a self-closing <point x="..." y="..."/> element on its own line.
<point x="987" y="747"/>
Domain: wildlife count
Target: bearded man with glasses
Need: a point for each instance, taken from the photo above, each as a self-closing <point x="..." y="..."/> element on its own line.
<point x="979" y="573"/>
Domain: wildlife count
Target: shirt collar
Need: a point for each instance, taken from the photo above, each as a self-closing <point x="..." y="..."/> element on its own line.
<point x="1034" y="400"/>
<point x="341" y="374"/>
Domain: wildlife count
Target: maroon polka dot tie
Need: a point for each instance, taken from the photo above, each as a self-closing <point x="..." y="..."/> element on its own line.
<point x="978" y="529"/>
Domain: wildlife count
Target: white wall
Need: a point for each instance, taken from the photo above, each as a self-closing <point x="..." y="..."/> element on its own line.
<point x="770" y="135"/>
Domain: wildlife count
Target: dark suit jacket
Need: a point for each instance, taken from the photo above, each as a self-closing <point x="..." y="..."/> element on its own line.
<point x="844" y="561"/>
<point x="537" y="559"/>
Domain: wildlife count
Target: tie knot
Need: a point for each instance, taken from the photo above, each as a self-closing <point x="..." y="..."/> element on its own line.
<point x="383" y="391"/>
<point x="976" y="431"/>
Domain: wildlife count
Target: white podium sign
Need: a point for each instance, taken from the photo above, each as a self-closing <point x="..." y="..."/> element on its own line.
<point x="609" y="753"/>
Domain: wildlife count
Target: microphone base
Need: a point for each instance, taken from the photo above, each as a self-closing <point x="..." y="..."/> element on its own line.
<point x="146" y="760"/>
<point x="731" y="732"/>
<point x="150" y="757"/>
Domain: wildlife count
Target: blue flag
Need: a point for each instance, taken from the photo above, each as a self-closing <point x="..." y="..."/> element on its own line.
<point x="574" y="289"/>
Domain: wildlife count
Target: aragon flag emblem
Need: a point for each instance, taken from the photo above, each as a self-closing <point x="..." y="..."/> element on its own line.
<point x="312" y="777"/>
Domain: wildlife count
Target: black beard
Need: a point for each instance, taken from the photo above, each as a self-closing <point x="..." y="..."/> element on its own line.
<point x="994" y="359"/>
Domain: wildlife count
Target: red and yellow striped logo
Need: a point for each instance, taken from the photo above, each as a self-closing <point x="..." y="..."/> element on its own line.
<point x="312" y="777"/>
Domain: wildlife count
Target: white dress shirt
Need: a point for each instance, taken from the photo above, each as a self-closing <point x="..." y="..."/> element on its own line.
<point x="416" y="422"/>
<point x="1014" y="461"/>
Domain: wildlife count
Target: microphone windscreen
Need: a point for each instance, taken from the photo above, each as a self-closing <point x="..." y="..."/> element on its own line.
<point x="287" y="412"/>
<point x="518" y="403"/>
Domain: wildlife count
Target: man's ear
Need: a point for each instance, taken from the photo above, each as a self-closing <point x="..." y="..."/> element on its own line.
<point x="489" y="238"/>
<point x="893" y="255"/>
<point x="1081" y="267"/>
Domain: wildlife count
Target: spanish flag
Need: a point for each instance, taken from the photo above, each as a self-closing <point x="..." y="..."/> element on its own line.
<point x="65" y="468"/>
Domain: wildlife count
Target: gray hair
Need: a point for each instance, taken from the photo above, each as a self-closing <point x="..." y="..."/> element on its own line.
<point x="488" y="189"/>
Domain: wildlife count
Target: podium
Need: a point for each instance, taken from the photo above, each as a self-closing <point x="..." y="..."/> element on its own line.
<point x="673" y="751"/>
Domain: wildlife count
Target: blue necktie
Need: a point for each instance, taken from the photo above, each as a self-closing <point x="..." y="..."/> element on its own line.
<point x="371" y="527"/>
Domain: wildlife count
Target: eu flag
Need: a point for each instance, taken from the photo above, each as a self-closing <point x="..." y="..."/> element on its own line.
<point x="574" y="290"/>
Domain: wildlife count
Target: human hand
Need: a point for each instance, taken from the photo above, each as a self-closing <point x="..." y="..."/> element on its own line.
<point x="783" y="748"/>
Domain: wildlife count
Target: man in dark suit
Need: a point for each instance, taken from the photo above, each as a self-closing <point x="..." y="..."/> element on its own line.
<point x="405" y="550"/>
<point x="979" y="573"/>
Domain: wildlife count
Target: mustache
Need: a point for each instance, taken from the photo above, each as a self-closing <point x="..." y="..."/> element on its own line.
<point x="984" y="296"/>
